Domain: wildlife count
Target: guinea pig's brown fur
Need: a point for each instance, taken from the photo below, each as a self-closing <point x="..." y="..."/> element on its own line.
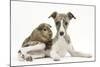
<point x="42" y="34"/>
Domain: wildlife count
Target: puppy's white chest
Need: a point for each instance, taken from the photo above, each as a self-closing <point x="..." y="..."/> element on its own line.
<point x="60" y="46"/>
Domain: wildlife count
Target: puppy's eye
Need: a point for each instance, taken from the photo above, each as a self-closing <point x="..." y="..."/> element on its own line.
<point x="66" y="23"/>
<point x="44" y="29"/>
<point x="57" y="22"/>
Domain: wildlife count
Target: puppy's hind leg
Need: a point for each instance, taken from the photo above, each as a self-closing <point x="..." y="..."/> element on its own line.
<point x="72" y="51"/>
<point x="39" y="55"/>
<point x="24" y="51"/>
<point x="37" y="47"/>
<point x="76" y="53"/>
<point x="20" y="56"/>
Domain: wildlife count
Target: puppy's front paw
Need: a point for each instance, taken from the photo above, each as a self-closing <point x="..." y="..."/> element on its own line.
<point x="86" y="56"/>
<point x="29" y="58"/>
<point x="55" y="56"/>
<point x="56" y="59"/>
<point x="89" y="56"/>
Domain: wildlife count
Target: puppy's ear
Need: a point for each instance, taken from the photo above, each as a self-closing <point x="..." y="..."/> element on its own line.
<point x="53" y="15"/>
<point x="70" y="15"/>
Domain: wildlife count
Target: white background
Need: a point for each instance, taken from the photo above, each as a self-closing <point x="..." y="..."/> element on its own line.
<point x="25" y="16"/>
<point x="4" y="14"/>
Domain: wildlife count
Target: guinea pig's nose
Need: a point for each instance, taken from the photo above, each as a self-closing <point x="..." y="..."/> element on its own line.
<point x="50" y="34"/>
<point x="61" y="33"/>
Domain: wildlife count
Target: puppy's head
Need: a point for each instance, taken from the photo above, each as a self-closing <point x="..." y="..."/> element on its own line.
<point x="45" y="30"/>
<point x="62" y="21"/>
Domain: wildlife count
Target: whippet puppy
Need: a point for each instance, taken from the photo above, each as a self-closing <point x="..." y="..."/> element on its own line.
<point x="62" y="41"/>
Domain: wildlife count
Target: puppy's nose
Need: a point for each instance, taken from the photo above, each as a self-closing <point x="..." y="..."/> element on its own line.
<point x="61" y="33"/>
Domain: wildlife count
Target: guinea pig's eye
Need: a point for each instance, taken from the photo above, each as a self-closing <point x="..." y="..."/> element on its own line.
<point x="44" y="29"/>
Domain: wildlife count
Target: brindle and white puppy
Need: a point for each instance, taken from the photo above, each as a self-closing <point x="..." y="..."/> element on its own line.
<point x="62" y="42"/>
<point x="37" y="43"/>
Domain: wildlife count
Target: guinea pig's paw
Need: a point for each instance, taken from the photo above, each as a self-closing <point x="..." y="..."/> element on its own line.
<point x="29" y="58"/>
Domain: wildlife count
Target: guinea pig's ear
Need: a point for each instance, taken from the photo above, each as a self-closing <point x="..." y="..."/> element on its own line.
<point x="53" y="15"/>
<point x="70" y="15"/>
<point x="40" y="27"/>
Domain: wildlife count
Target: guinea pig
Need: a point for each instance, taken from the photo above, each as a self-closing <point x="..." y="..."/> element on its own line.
<point x="42" y="34"/>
